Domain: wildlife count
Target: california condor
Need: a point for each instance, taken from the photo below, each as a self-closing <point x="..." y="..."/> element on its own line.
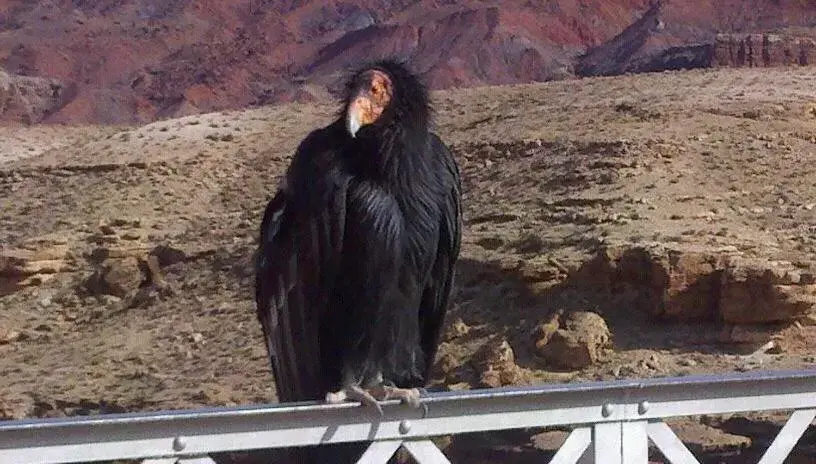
<point x="357" y="248"/>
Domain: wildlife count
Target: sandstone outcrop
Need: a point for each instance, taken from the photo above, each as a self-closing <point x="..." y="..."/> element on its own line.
<point x="763" y="50"/>
<point x="124" y="262"/>
<point x="760" y="291"/>
<point x="120" y="259"/>
<point x="701" y="285"/>
<point x="34" y="264"/>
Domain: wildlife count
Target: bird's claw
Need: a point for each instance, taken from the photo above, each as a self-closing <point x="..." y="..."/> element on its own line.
<point x="371" y="398"/>
<point x="354" y="393"/>
<point x="409" y="396"/>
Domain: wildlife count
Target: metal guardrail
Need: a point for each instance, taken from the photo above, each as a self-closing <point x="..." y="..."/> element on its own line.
<point x="614" y="422"/>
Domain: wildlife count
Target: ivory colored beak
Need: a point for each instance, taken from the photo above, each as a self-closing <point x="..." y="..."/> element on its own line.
<point x="353" y="122"/>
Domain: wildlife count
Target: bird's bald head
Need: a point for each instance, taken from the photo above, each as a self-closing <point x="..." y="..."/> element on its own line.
<point x="371" y="92"/>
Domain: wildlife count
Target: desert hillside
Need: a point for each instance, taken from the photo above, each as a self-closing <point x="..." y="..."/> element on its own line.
<point x="626" y="227"/>
<point x="136" y="61"/>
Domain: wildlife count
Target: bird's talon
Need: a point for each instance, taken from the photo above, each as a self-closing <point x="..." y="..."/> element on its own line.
<point x="354" y="393"/>
<point x="409" y="396"/>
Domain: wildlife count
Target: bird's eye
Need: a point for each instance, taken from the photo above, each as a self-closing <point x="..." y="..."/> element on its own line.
<point x="375" y="89"/>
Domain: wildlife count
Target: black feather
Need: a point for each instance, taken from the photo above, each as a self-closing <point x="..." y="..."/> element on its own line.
<point x="357" y="250"/>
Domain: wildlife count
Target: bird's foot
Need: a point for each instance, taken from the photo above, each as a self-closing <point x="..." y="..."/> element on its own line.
<point x="370" y="397"/>
<point x="409" y="396"/>
<point x="354" y="393"/>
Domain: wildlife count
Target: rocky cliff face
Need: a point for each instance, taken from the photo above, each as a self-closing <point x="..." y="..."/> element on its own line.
<point x="763" y="50"/>
<point x="31" y="99"/>
<point x="619" y="55"/>
<point x="139" y="60"/>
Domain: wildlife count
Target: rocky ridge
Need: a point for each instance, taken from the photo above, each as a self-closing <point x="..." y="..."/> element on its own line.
<point x="135" y="62"/>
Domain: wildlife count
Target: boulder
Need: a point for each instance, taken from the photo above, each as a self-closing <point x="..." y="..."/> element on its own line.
<point x="125" y="263"/>
<point x="581" y="341"/>
<point x="168" y="255"/>
<point x="495" y="362"/>
<point x="117" y="277"/>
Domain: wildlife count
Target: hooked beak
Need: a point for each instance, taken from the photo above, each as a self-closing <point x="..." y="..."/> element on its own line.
<point x="353" y="117"/>
<point x="370" y="97"/>
<point x="361" y="112"/>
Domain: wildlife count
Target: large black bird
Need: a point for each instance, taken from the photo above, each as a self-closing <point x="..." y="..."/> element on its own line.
<point x="357" y="248"/>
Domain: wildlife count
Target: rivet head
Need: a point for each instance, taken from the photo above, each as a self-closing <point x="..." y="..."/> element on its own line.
<point x="607" y="409"/>
<point x="405" y="426"/>
<point x="179" y="443"/>
<point x="643" y="406"/>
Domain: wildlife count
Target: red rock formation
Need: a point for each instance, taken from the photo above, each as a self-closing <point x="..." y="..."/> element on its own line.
<point x="31" y="99"/>
<point x="616" y="56"/>
<point x="135" y="61"/>
<point x="763" y="50"/>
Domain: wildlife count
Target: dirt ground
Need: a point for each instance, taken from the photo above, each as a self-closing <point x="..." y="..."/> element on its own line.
<point x="705" y="163"/>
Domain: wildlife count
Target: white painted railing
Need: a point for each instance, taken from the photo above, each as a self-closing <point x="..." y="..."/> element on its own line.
<point x="613" y="422"/>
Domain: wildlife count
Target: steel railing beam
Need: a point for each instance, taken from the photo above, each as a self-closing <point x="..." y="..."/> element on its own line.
<point x="202" y="432"/>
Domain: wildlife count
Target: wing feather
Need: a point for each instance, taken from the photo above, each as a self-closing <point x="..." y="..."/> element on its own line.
<point x="300" y="242"/>
<point x="436" y="296"/>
